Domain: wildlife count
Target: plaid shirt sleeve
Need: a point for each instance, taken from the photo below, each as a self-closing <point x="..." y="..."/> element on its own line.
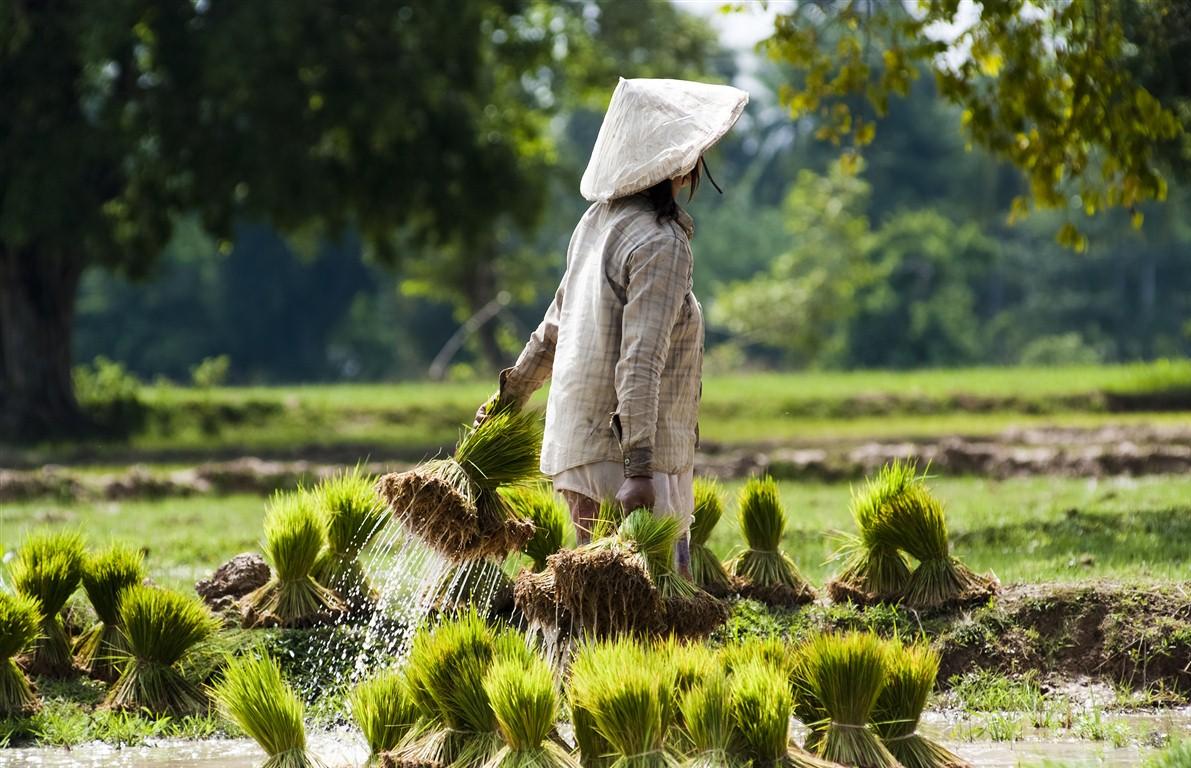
<point x="658" y="279"/>
<point x="535" y="362"/>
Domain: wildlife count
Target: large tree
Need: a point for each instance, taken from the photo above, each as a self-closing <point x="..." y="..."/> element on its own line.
<point x="119" y="118"/>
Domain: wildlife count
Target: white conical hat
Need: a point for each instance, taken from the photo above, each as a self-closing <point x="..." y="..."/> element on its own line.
<point x="655" y="130"/>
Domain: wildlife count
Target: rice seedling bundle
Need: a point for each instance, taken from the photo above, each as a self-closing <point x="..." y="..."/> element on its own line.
<point x="160" y="627"/>
<point x="843" y="675"/>
<point x="446" y="670"/>
<point x="551" y="518"/>
<point x="771" y="650"/>
<point x="874" y="568"/>
<point x="20" y="620"/>
<point x="628" y="694"/>
<point x="525" y="703"/>
<point x="294" y="538"/>
<point x="105" y="577"/>
<point x="453" y="505"/>
<point x="760" y="705"/>
<point x="763" y="571"/>
<point x="352" y="515"/>
<point x="253" y="695"/>
<point x="705" y="712"/>
<point x="48" y="568"/>
<point x="384" y="709"/>
<point x="912" y="673"/>
<point x="914" y="522"/>
<point x="685" y="609"/>
<point x="706" y="569"/>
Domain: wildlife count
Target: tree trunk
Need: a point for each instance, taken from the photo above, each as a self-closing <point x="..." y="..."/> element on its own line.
<point x="480" y="293"/>
<point x="37" y="296"/>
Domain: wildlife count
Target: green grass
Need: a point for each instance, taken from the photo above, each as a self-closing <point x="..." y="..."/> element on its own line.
<point x="408" y="420"/>
<point x="1027" y="529"/>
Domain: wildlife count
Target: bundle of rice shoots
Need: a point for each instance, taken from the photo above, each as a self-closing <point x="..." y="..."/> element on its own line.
<point x="912" y="672"/>
<point x="627" y="692"/>
<point x="706" y="569"/>
<point x="768" y="649"/>
<point x="20" y="620"/>
<point x="551" y="518"/>
<point x="705" y="712"/>
<point x="537" y="599"/>
<point x="606" y="586"/>
<point x="763" y="571"/>
<point x="453" y="505"/>
<point x="48" y="568"/>
<point x="445" y="673"/>
<point x="874" y="569"/>
<point x="760" y="705"/>
<point x="253" y="695"/>
<point x="685" y="610"/>
<point x="352" y="514"/>
<point x="526" y="705"/>
<point x="384" y="709"/>
<point x="106" y="575"/>
<point x="691" y="662"/>
<point x="842" y="675"/>
<point x="160" y="627"/>
<point x="294" y="538"/>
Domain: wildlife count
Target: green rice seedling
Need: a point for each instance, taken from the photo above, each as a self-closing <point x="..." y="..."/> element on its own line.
<point x="690" y="661"/>
<point x="708" y="727"/>
<point x="160" y="627"/>
<point x="352" y="515"/>
<point x="20" y="619"/>
<point x="453" y="504"/>
<point x="253" y="695"/>
<point x="446" y="671"/>
<point x="628" y="693"/>
<point x="294" y="537"/>
<point x="525" y="703"/>
<point x="763" y="571"/>
<point x="760" y="704"/>
<point x="106" y="575"/>
<point x="914" y="522"/>
<point x="770" y="649"/>
<point x="843" y="675"/>
<point x="912" y="671"/>
<point x="384" y="709"/>
<point x="48" y="568"/>
<point x="706" y="569"/>
<point x="874" y="569"/>
<point x="553" y="528"/>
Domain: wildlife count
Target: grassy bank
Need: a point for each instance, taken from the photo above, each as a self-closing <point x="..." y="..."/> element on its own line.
<point x="407" y="420"/>
<point x="1026" y="530"/>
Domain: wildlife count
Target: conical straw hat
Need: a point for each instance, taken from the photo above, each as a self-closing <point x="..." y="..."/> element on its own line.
<point x="655" y="130"/>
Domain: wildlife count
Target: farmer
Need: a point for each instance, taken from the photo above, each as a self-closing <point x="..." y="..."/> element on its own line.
<point x="623" y="339"/>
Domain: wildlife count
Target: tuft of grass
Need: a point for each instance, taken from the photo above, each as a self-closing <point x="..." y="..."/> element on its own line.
<point x="706" y="569"/>
<point x="446" y="670"/>
<point x="843" y="675"/>
<point x="160" y="628"/>
<point x="525" y="703"/>
<point x="253" y="695"/>
<point x="551" y="519"/>
<point x="384" y="709"/>
<point x="20" y="617"/>
<point x="294" y="538"/>
<point x="106" y="575"/>
<point x="763" y="566"/>
<point x="628" y="693"/>
<point x="912" y="670"/>
<point x="352" y="514"/>
<point x="48" y="568"/>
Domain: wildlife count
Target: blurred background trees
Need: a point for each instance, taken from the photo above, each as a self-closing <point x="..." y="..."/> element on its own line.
<point x="326" y="191"/>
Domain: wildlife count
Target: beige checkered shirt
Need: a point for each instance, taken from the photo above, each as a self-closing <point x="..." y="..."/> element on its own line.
<point x="623" y="344"/>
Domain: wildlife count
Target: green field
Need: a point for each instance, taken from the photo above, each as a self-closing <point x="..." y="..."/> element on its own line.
<point x="1025" y="530"/>
<point x="409" y="420"/>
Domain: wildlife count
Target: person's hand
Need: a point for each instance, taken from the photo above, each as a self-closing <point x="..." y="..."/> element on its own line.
<point x="636" y="493"/>
<point x="485" y="410"/>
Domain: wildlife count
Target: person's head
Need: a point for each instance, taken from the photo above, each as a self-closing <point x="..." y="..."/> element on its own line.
<point x="663" y="194"/>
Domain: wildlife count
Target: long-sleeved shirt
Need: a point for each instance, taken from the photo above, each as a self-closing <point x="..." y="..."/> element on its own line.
<point x="623" y="344"/>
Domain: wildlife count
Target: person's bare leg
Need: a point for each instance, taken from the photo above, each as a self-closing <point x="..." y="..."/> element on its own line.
<point x="682" y="555"/>
<point x="584" y="512"/>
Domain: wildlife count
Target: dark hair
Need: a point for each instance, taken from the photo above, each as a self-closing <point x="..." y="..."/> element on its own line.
<point x="661" y="195"/>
